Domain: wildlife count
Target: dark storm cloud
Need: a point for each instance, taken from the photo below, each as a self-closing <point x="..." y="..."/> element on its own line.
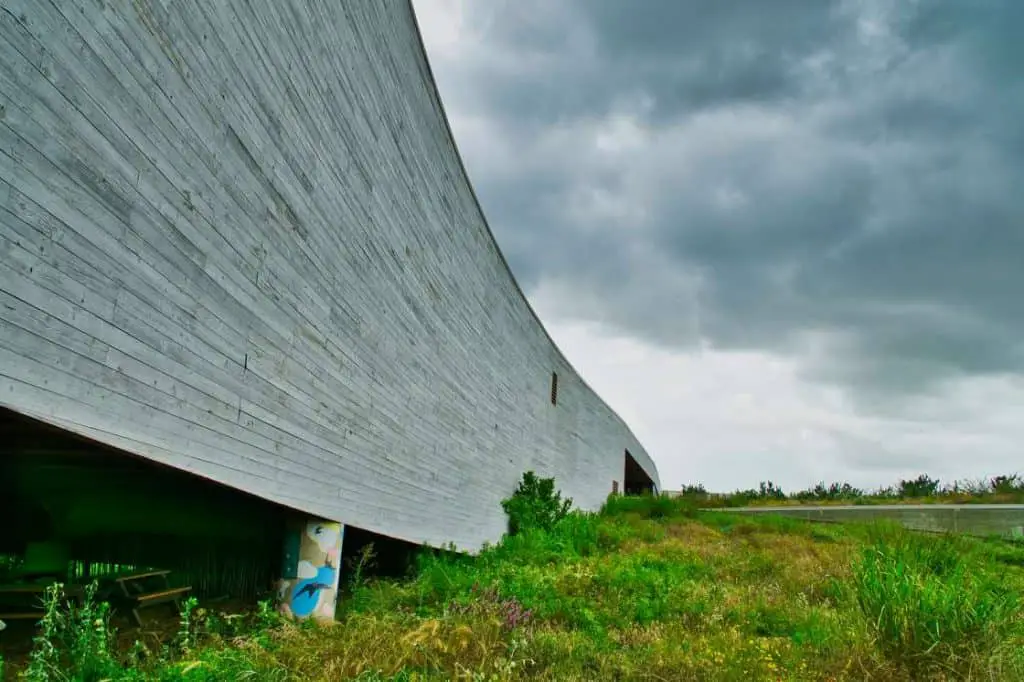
<point x="686" y="55"/>
<point x="850" y="170"/>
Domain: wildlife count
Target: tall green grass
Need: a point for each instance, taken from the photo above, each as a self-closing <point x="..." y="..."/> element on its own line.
<point x="934" y="603"/>
<point x="646" y="588"/>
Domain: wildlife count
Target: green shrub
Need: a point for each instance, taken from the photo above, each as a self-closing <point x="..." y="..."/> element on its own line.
<point x="535" y="504"/>
<point x="769" y="491"/>
<point x="529" y="547"/>
<point x="1007" y="484"/>
<point x="922" y="486"/>
<point x="578" y="534"/>
<point x="442" y="576"/>
<point x="649" y="506"/>
<point x="833" y="491"/>
<point x="930" y="603"/>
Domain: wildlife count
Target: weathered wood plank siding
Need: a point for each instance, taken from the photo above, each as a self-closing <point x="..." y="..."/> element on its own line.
<point x="236" y="237"/>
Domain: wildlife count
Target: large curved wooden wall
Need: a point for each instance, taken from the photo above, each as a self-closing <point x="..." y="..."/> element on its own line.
<point x="236" y="237"/>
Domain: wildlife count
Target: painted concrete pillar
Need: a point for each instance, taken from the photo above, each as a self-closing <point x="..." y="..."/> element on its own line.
<point x="310" y="570"/>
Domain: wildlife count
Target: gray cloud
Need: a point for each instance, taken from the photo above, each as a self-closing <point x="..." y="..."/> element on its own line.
<point x="844" y="171"/>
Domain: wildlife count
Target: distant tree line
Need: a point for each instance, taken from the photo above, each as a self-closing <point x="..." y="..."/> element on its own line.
<point x="1005" y="488"/>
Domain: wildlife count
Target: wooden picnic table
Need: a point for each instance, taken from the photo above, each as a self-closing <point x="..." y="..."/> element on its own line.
<point x="138" y="590"/>
<point x="134" y="588"/>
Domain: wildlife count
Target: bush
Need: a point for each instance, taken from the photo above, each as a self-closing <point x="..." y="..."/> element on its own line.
<point x="930" y="604"/>
<point x="693" y="490"/>
<point x="649" y="506"/>
<point x="769" y="491"/>
<point x="1007" y="484"/>
<point x="922" y="486"/>
<point x="834" y="491"/>
<point x="535" y="505"/>
<point x="766" y="490"/>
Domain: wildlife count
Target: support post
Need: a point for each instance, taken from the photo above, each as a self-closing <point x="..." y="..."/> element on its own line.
<point x="310" y="569"/>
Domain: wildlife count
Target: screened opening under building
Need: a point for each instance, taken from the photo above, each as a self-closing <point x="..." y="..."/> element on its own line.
<point x="76" y="510"/>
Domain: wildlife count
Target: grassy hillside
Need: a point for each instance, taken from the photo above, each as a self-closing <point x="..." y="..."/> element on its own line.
<point x="646" y="590"/>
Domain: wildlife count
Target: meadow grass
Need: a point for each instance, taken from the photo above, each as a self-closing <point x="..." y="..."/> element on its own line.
<point x="647" y="589"/>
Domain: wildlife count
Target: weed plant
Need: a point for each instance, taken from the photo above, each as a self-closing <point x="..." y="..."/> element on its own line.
<point x="74" y="642"/>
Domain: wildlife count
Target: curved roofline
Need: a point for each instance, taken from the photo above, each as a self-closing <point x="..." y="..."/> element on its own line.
<point x="432" y="84"/>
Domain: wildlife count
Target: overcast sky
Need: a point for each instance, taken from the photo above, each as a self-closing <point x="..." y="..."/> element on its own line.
<point x="783" y="239"/>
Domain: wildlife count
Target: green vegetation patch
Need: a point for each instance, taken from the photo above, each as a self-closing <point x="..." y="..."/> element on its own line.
<point x="648" y="588"/>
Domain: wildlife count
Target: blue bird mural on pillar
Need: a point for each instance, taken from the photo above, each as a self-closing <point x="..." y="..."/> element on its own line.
<point x="306" y="593"/>
<point x="314" y="589"/>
